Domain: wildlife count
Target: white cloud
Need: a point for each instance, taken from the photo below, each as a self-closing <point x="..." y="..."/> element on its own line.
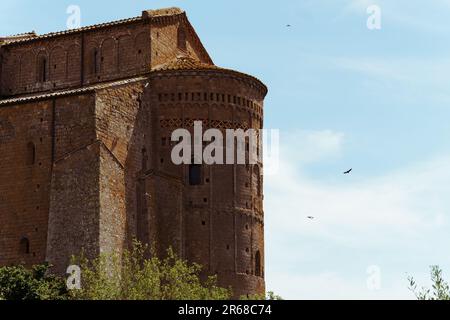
<point x="310" y="146"/>
<point x="333" y="286"/>
<point x="389" y="212"/>
<point x="432" y="74"/>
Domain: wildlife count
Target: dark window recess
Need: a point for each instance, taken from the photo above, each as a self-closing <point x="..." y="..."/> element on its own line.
<point x="95" y="61"/>
<point x="258" y="264"/>
<point x="31" y="154"/>
<point x="43" y="69"/>
<point x="195" y="174"/>
<point x="163" y="141"/>
<point x="24" y="246"/>
<point x="203" y="223"/>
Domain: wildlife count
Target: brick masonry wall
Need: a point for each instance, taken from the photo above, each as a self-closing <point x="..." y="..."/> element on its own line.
<point x="171" y="38"/>
<point x="121" y="126"/>
<point x="223" y="217"/>
<point x="106" y="54"/>
<point x="103" y="54"/>
<point x="101" y="172"/>
<point x="74" y="194"/>
<point x="74" y="208"/>
<point x="24" y="183"/>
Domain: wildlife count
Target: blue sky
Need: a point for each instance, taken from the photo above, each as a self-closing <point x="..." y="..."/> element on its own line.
<point x="343" y="96"/>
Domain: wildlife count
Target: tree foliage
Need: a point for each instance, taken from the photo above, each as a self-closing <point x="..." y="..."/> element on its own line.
<point x="132" y="276"/>
<point x="269" y="296"/>
<point x="439" y="291"/>
<point x="20" y="283"/>
<point x="135" y="274"/>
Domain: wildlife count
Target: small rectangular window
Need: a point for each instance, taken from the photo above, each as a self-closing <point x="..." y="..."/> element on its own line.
<point x="195" y="174"/>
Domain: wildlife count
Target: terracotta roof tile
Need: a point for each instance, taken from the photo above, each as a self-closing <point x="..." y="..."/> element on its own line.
<point x="55" y="94"/>
<point x="184" y="62"/>
<point x="150" y="14"/>
<point x="188" y="63"/>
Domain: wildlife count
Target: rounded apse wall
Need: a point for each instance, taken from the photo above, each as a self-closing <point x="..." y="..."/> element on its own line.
<point x="223" y="219"/>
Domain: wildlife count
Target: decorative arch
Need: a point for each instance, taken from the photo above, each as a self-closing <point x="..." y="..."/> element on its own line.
<point x="93" y="59"/>
<point x="142" y="49"/>
<point x="126" y="56"/>
<point x="57" y="64"/>
<point x="73" y="63"/>
<point x="42" y="67"/>
<point x="108" y="59"/>
<point x="26" y="72"/>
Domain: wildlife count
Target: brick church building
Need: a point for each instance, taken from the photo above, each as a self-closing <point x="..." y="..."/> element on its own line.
<point x="86" y="117"/>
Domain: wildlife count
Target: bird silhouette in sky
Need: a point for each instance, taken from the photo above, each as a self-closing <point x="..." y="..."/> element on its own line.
<point x="310" y="217"/>
<point x="348" y="171"/>
<point x="288" y="25"/>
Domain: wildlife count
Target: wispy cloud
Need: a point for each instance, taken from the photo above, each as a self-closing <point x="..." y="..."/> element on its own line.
<point x="387" y="212"/>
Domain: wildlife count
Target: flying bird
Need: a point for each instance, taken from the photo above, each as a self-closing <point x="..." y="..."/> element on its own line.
<point x="348" y="171"/>
<point x="310" y="217"/>
<point x="288" y="25"/>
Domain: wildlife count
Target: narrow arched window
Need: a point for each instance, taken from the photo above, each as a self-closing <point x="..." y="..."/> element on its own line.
<point x="31" y="154"/>
<point x="195" y="174"/>
<point x="42" y="69"/>
<point x="258" y="264"/>
<point x="24" y="246"/>
<point x="95" y="61"/>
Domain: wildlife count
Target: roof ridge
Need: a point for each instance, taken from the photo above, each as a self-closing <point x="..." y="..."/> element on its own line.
<point x="72" y="91"/>
<point x="155" y="15"/>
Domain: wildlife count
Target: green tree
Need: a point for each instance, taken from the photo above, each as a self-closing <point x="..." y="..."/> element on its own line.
<point x="269" y="296"/>
<point x="20" y="283"/>
<point x="439" y="290"/>
<point x="132" y="276"/>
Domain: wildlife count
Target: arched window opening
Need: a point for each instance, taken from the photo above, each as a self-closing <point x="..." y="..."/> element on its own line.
<point x="42" y="69"/>
<point x="24" y="246"/>
<point x="258" y="264"/>
<point x="95" y="61"/>
<point x="31" y="154"/>
<point x="195" y="174"/>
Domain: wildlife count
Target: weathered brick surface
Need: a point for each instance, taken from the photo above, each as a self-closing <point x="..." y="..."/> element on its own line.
<point x="24" y="186"/>
<point x="97" y="119"/>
